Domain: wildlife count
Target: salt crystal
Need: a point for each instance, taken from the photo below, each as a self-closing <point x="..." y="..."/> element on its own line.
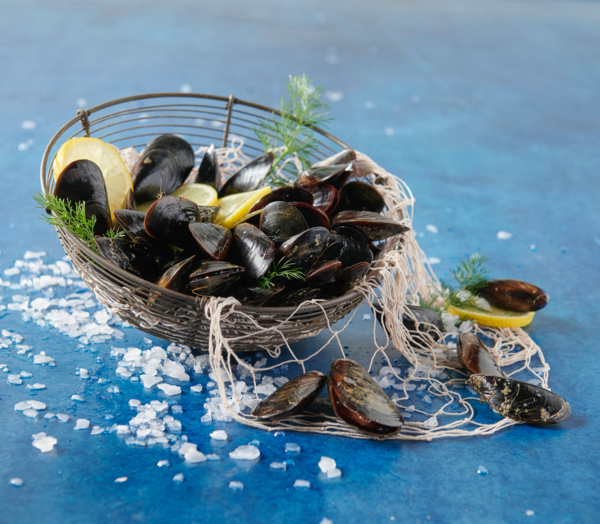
<point x="431" y="228"/>
<point x="185" y="88"/>
<point x="134" y="403"/>
<point x="431" y="422"/>
<point x="427" y="399"/>
<point x="261" y="363"/>
<point x="367" y="317"/>
<point x="196" y="389"/>
<point x="236" y="484"/>
<point x="326" y="464"/>
<point x="97" y="430"/>
<point x="212" y="456"/>
<point x="122" y="429"/>
<point x="170" y="390"/>
<point x="254" y="442"/>
<point x="175" y="370"/>
<point x="334" y="473"/>
<point x="302" y="484"/>
<point x="17" y="482"/>
<point x="433" y="260"/>
<point x="245" y="453"/>
<point x="12" y="271"/>
<point x="49" y="415"/>
<point x="185" y="447"/>
<point x="37" y="405"/>
<point x="77" y="398"/>
<point x="35" y="387"/>
<point x="218" y="435"/>
<point x="194" y="456"/>
<point x="121" y="480"/>
<point x="22" y="406"/>
<point x="279" y="434"/>
<point x="163" y="464"/>
<point x="149" y="381"/>
<point x="329" y="521"/>
<point x="482" y="470"/>
<point x="278" y="466"/>
<point x="291" y="447"/>
<point x="44" y="444"/>
<point x="503" y="235"/>
<point x="530" y="513"/>
<point x="15" y="380"/>
<point x="26" y="374"/>
<point x="176" y="408"/>
<point x="279" y="381"/>
<point x="64" y="418"/>
<point x="42" y="359"/>
<point x="82" y="423"/>
<point x="31" y="413"/>
<point x="179" y="478"/>
<point x="32" y="254"/>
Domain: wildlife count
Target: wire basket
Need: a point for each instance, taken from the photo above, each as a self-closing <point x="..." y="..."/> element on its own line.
<point x="202" y="120"/>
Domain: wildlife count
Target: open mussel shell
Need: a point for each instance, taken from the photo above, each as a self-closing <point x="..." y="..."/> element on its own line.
<point x="208" y="170"/>
<point x="284" y="194"/>
<point x="349" y="277"/>
<point x="303" y="250"/>
<point x="360" y="196"/>
<point x="132" y="223"/>
<point x="168" y="220"/>
<point x="373" y="225"/>
<point x="163" y="167"/>
<point x="280" y="221"/>
<point x="323" y="274"/>
<point x="82" y="181"/>
<point x="255" y="250"/>
<point x="314" y="217"/>
<point x="474" y="356"/>
<point x="325" y="198"/>
<point x="249" y="177"/>
<point x="213" y="277"/>
<point x="256" y="296"/>
<point x="359" y="401"/>
<point x="514" y="295"/>
<point x="212" y="239"/>
<point x="291" y="398"/>
<point x="519" y="400"/>
<point x="334" y="175"/>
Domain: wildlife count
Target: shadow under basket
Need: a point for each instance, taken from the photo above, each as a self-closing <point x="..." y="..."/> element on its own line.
<point x="201" y="120"/>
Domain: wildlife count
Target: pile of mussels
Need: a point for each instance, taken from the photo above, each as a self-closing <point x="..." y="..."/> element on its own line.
<point x="323" y="225"/>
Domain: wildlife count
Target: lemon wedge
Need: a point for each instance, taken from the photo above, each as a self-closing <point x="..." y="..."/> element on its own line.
<point x="495" y="318"/>
<point x="235" y="207"/>
<point x="106" y="157"/>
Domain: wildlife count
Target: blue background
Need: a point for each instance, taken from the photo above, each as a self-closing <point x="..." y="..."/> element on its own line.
<point x="491" y="111"/>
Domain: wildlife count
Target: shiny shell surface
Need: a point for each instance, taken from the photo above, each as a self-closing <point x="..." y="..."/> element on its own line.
<point x="280" y="221"/>
<point x="360" y="196"/>
<point x="373" y="225"/>
<point x="304" y="249"/>
<point x="208" y="170"/>
<point x="249" y="177"/>
<point x="255" y="250"/>
<point x="474" y="356"/>
<point x="515" y="295"/>
<point x="168" y="220"/>
<point x="213" y="240"/>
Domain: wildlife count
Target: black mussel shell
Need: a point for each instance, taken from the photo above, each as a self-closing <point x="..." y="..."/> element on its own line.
<point x="168" y="220"/>
<point x="256" y="296"/>
<point x="314" y="217"/>
<point x="303" y="250"/>
<point x="163" y="167"/>
<point x="355" y="234"/>
<point x="323" y="274"/>
<point x="251" y="218"/>
<point x="291" y="398"/>
<point x="360" y="196"/>
<point x="280" y="221"/>
<point x="514" y="295"/>
<point x="175" y="278"/>
<point x="519" y="400"/>
<point x="474" y="356"/>
<point x="212" y="239"/>
<point x="82" y="181"/>
<point x="212" y="277"/>
<point x="132" y="223"/>
<point x="354" y="252"/>
<point x="334" y="248"/>
<point x="207" y="213"/>
<point x="343" y="157"/>
<point x="326" y="198"/>
<point x="125" y="254"/>
<point x="359" y="401"/>
<point x="208" y="170"/>
<point x="335" y="175"/>
<point x="373" y="225"/>
<point x="284" y="194"/>
<point x="424" y="321"/>
<point x="130" y="201"/>
<point x="249" y="177"/>
<point x="255" y="250"/>
<point x="292" y="297"/>
<point x="349" y="277"/>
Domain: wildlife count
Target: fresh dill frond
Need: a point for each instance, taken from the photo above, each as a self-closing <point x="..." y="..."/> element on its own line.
<point x="293" y="132"/>
<point x="280" y="269"/>
<point x="114" y="233"/>
<point x="471" y="275"/>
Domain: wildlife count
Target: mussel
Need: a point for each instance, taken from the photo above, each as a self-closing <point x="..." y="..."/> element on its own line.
<point x="519" y="400"/>
<point x="280" y="221"/>
<point x="284" y="194"/>
<point x="175" y="278"/>
<point x="82" y="181"/>
<point x="323" y="274"/>
<point x="314" y="216"/>
<point x="325" y="198"/>
<point x="359" y="401"/>
<point x="514" y="295"/>
<point x="343" y="157"/>
<point x="349" y="277"/>
<point x="249" y="177"/>
<point x="291" y="398"/>
<point x="373" y="225"/>
<point x="255" y="250"/>
<point x="474" y="356"/>
<point x="168" y="220"/>
<point x="125" y="254"/>
<point x="212" y="239"/>
<point x="304" y="249"/>
<point x="163" y="167"/>
<point x="132" y="223"/>
<point x="360" y="196"/>
<point x="208" y="170"/>
<point x="333" y="175"/>
<point x="256" y="296"/>
<point x="213" y="277"/>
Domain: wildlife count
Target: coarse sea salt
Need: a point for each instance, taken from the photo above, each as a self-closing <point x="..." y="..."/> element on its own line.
<point x="82" y="423"/>
<point x="278" y="466"/>
<point x="163" y="464"/>
<point x="302" y="484"/>
<point x="170" y="390"/>
<point x="292" y="447"/>
<point x="44" y="443"/>
<point x="179" y="478"/>
<point x="17" y="482"/>
<point x="326" y="464"/>
<point x="236" y="485"/>
<point x="219" y="435"/>
<point x="245" y="453"/>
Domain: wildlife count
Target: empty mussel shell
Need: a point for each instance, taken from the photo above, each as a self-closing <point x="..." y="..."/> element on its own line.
<point x="514" y="295"/>
<point x="519" y="400"/>
<point x="208" y="170"/>
<point x="284" y="194"/>
<point x="255" y="250"/>
<point x="303" y="250"/>
<point x="291" y="398"/>
<point x="373" y="225"/>
<point x="168" y="220"/>
<point x="212" y="277"/>
<point x="212" y="239"/>
<point x="82" y="181"/>
<point x="314" y="217"/>
<point x="334" y="175"/>
<point x="280" y="221"/>
<point x="360" y="196"/>
<point x="249" y="177"/>
<point x="359" y="401"/>
<point x="474" y="356"/>
<point x="163" y="167"/>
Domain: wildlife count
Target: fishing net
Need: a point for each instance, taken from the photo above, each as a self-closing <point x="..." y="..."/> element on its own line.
<point x="430" y="375"/>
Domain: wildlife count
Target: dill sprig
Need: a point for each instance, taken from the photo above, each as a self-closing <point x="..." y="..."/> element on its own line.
<point x="280" y="269"/>
<point x="62" y="213"/>
<point x="471" y="275"/>
<point x="293" y="132"/>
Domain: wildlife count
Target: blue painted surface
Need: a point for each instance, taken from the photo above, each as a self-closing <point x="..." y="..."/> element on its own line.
<point x="491" y="118"/>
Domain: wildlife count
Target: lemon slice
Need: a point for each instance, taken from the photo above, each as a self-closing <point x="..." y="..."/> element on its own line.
<point x="495" y="318"/>
<point x="235" y="207"/>
<point x="202" y="194"/>
<point x="106" y="157"/>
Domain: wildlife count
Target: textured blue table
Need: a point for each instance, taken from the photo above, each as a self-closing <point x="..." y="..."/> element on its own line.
<point x="489" y="113"/>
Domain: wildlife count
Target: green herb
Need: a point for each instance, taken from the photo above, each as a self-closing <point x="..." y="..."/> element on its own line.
<point x="71" y="217"/>
<point x="280" y="269"/>
<point x="471" y="275"/>
<point x="293" y="132"/>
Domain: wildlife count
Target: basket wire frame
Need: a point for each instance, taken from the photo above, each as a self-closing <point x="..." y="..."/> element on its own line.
<point x="202" y="120"/>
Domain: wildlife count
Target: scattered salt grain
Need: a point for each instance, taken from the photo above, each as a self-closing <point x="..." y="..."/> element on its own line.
<point x="82" y="423"/>
<point x="22" y="406"/>
<point x="149" y="381"/>
<point x="36" y="387"/>
<point x="31" y="413"/>
<point x="17" y="482"/>
<point x="163" y="464"/>
<point x="26" y="374"/>
<point x="279" y="434"/>
<point x="197" y="389"/>
<point x="326" y="464"/>
<point x="15" y="380"/>
<point x="302" y="484"/>
<point x="291" y="447"/>
<point x="530" y="513"/>
<point x="503" y="235"/>
<point x="245" y="453"/>
<point x="482" y="470"/>
<point x="179" y="478"/>
<point x="97" y="430"/>
<point x="212" y="456"/>
<point x="433" y="260"/>
<point x="367" y="317"/>
<point x="431" y="228"/>
<point x="37" y="405"/>
<point x="43" y="442"/>
<point x="77" y="398"/>
<point x="236" y="484"/>
<point x="329" y="521"/>
<point x="63" y="417"/>
<point x="194" y="456"/>
<point x="28" y="124"/>
<point x="334" y="473"/>
<point x="121" y="480"/>
<point x="278" y="466"/>
<point x="170" y="390"/>
<point x="50" y="415"/>
<point x="219" y="435"/>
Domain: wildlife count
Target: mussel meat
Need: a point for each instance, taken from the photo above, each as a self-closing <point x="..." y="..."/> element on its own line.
<point x="474" y="355"/>
<point x="514" y="295"/>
